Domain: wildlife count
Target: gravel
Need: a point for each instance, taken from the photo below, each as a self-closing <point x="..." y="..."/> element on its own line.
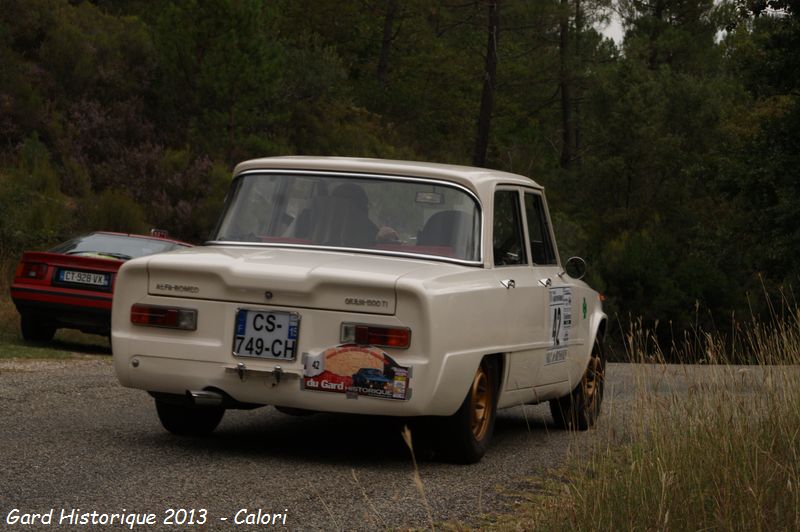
<point x="71" y="438"/>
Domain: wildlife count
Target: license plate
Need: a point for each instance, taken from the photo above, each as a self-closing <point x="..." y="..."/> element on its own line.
<point x="93" y="279"/>
<point x="263" y="334"/>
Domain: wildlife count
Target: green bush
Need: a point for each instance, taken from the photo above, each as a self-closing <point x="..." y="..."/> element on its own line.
<point x="115" y="210"/>
<point x="35" y="212"/>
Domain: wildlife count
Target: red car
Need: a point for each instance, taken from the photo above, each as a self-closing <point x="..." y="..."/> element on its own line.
<point x="71" y="286"/>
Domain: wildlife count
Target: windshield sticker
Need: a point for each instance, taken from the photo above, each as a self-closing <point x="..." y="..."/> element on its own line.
<point x="560" y="314"/>
<point x="356" y="370"/>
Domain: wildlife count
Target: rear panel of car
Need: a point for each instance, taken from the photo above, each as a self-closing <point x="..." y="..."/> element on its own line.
<point x="62" y="279"/>
<point x="448" y="324"/>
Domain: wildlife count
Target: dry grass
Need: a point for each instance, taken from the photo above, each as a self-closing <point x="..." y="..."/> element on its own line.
<point x="716" y="457"/>
<point x="9" y="319"/>
<point x="711" y="447"/>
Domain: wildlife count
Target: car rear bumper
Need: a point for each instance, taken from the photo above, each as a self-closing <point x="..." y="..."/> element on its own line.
<point x="91" y="313"/>
<point x="27" y="296"/>
<point x="281" y="388"/>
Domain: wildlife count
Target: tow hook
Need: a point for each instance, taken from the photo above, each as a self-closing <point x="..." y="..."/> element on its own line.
<point x="243" y="371"/>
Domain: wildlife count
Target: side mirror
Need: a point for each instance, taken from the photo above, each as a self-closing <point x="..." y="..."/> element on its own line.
<point x="575" y="267"/>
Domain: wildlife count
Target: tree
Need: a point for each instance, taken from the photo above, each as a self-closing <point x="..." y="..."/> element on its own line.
<point x="655" y="127"/>
<point x="763" y="172"/>
<point x="569" y="140"/>
<point x="386" y="43"/>
<point x="219" y="77"/>
<point x="489" y="82"/>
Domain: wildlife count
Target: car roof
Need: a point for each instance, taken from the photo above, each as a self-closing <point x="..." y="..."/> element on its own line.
<point x="468" y="176"/>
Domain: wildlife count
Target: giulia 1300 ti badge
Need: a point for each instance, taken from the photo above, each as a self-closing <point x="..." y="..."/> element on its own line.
<point x="363" y="286"/>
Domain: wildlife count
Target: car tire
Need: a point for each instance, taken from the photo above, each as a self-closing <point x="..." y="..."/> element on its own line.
<point x="464" y="437"/>
<point x="188" y="419"/>
<point x="580" y="409"/>
<point x="35" y="329"/>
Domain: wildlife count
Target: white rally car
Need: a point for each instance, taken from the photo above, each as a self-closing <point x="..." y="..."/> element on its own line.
<point x="368" y="287"/>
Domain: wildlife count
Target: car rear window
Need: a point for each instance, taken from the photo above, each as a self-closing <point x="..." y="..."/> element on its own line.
<point x="388" y="215"/>
<point x="117" y="246"/>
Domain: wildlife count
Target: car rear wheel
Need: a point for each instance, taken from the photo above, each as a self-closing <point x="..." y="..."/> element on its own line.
<point x="580" y="409"/>
<point x="188" y="419"/>
<point x="35" y="329"/>
<point x="464" y="437"/>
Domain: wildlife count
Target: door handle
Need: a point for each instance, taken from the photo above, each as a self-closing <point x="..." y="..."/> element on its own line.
<point x="547" y="283"/>
<point x="508" y="283"/>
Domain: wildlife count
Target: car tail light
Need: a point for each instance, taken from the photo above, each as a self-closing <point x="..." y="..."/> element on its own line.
<point x="169" y="317"/>
<point x="377" y="335"/>
<point x="32" y="270"/>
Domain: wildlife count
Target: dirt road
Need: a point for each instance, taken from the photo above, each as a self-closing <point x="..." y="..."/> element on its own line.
<point x="75" y="442"/>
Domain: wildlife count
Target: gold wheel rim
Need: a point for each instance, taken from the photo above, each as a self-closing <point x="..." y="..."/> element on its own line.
<point x="481" y="400"/>
<point x="592" y="381"/>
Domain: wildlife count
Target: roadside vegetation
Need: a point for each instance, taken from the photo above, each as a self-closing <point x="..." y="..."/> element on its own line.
<point x="702" y="447"/>
<point x="66" y="344"/>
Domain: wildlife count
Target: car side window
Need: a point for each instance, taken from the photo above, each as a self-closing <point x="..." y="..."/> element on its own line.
<point x="542" y="250"/>
<point x="508" y="240"/>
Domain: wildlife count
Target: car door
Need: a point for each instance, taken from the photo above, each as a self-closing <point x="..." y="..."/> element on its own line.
<point x="539" y="317"/>
<point x="558" y="294"/>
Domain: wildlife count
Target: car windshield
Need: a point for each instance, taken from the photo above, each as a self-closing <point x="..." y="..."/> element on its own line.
<point x="379" y="214"/>
<point x="114" y="246"/>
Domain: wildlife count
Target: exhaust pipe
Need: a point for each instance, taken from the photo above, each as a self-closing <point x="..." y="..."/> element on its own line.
<point x="205" y="397"/>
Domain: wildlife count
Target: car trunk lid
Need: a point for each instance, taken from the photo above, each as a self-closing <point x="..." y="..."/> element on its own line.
<point x="71" y="271"/>
<point x="282" y="277"/>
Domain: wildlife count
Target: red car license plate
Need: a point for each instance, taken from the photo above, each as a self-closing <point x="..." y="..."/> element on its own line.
<point x="88" y="278"/>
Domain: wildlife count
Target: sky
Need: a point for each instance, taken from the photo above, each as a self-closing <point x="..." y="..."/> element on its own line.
<point x="613" y="29"/>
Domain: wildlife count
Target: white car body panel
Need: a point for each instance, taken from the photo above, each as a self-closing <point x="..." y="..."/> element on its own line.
<point x="458" y="313"/>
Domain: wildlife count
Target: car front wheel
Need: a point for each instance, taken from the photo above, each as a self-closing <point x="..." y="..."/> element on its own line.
<point x="580" y="409"/>
<point x="464" y="437"/>
<point x="188" y="419"/>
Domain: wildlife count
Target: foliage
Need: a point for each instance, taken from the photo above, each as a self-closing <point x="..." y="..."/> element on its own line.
<point x="680" y="186"/>
<point x="764" y="185"/>
<point x="116" y="211"/>
<point x="35" y="212"/>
